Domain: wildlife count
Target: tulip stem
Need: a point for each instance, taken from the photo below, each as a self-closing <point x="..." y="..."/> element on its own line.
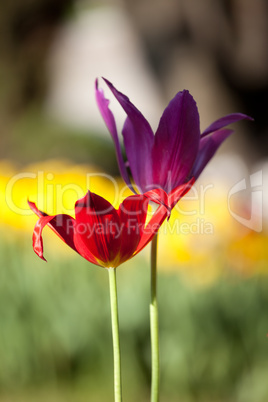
<point x="154" y="324"/>
<point x="115" y="334"/>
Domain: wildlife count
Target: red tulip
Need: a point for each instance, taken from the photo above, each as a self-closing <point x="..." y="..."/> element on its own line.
<point x="103" y="235"/>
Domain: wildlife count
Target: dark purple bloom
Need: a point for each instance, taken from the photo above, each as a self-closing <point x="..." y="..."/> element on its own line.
<point x="176" y="153"/>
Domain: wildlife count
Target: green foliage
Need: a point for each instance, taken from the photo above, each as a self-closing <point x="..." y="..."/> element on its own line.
<point x="55" y="332"/>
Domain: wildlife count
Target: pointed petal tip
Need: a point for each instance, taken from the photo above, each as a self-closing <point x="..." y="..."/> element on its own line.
<point x="242" y="116"/>
<point x="108" y="83"/>
<point x="168" y="213"/>
<point x="96" y="84"/>
<point x="249" y="118"/>
<point x="225" y="121"/>
<point x="83" y="200"/>
<point x="185" y="91"/>
<point x="30" y="203"/>
<point x="42" y="258"/>
<point x="106" y="80"/>
<point x="34" y="208"/>
<point x="40" y="255"/>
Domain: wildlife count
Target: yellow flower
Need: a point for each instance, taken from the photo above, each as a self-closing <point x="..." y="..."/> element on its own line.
<point x="54" y="185"/>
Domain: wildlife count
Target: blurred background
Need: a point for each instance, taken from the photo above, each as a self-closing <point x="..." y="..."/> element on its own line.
<point x="55" y="336"/>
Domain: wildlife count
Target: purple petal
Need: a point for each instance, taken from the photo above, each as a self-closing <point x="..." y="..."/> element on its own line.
<point x="139" y="161"/>
<point x="207" y="148"/>
<point x="176" y="142"/>
<point x="108" y="118"/>
<point x="138" y="139"/>
<point x="225" y="121"/>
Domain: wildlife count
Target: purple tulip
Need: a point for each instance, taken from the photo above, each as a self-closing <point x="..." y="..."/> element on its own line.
<point x="176" y="153"/>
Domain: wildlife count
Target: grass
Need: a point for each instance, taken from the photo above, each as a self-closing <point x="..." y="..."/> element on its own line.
<point x="55" y="336"/>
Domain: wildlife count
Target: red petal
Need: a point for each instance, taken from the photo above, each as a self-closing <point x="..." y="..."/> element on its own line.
<point x="97" y="226"/>
<point x="179" y="192"/>
<point x="159" y="196"/>
<point x="152" y="227"/>
<point x="132" y="214"/>
<point x="37" y="235"/>
<point x="36" y="210"/>
<point x="160" y="215"/>
<point x="62" y="225"/>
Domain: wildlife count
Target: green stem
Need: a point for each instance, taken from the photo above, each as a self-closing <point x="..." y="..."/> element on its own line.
<point x="154" y="324"/>
<point x="115" y="333"/>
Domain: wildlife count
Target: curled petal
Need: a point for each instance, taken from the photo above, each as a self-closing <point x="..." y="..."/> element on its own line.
<point x="225" y="121"/>
<point x="37" y="235"/>
<point x="207" y="148"/>
<point x="36" y="210"/>
<point x="63" y="225"/>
